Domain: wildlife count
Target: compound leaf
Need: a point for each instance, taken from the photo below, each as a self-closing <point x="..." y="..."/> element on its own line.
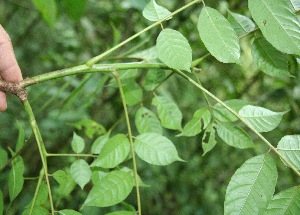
<point x="278" y="23"/>
<point x="218" y="36"/>
<point x="262" y="119"/>
<point x="110" y="190"/>
<point x="155" y="149"/>
<point x="251" y="187"/>
<point x="289" y="148"/>
<point x="154" y="12"/>
<point x="174" y="50"/>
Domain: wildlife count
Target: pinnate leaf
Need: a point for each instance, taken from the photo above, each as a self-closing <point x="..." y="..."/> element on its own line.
<point x="289" y="148"/>
<point x="241" y="24"/>
<point x="278" y="24"/>
<point x="81" y="173"/>
<point x="218" y="36"/>
<point x="251" y="187"/>
<point x="268" y="59"/>
<point x="155" y="149"/>
<point x="114" y="152"/>
<point x="77" y="143"/>
<point x="174" y="50"/>
<point x="147" y="122"/>
<point x="154" y="12"/>
<point x="110" y="190"/>
<point x="233" y="135"/>
<point x="16" y="179"/>
<point x="262" y="119"/>
<point x="168" y="112"/>
<point x="286" y="202"/>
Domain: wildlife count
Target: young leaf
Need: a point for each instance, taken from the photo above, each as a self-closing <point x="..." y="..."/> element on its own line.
<point x="154" y="12"/>
<point x="68" y="212"/>
<point x="16" y="179"/>
<point x="200" y="121"/>
<point x="1" y="203"/>
<point x="251" y="187"/>
<point x="174" y="50"/>
<point x="224" y="115"/>
<point x="3" y="158"/>
<point x="99" y="143"/>
<point x="241" y="24"/>
<point x="81" y="173"/>
<point x="111" y="190"/>
<point x="168" y="112"/>
<point x="278" y="24"/>
<point x="155" y="149"/>
<point x="147" y="122"/>
<point x="210" y="144"/>
<point x="122" y="213"/>
<point x="153" y="78"/>
<point x="113" y="152"/>
<point x="48" y="9"/>
<point x="289" y="148"/>
<point x="77" y="143"/>
<point x="262" y="119"/>
<point x="285" y="203"/>
<point x="268" y="59"/>
<point x="65" y="181"/>
<point x="218" y="36"/>
<point x="233" y="135"/>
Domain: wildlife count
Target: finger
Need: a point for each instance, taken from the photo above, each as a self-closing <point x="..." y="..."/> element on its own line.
<point x="3" y="104"/>
<point x="9" y="68"/>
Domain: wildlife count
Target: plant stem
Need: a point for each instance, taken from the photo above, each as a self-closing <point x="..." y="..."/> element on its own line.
<point x="71" y="155"/>
<point x="42" y="173"/>
<point x="41" y="147"/>
<point x="99" y="57"/>
<point x="131" y="142"/>
<point x="239" y="117"/>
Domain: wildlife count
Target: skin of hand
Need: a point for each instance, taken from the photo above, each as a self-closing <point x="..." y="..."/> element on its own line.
<point x="9" y="68"/>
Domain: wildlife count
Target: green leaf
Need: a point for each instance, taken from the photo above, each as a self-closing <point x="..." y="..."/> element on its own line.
<point x="200" y="120"/>
<point x="241" y="24"/>
<point x="262" y="119"/>
<point x="77" y="143"/>
<point x="37" y="210"/>
<point x="251" y="187"/>
<point x="68" y="212"/>
<point x="140" y="182"/>
<point x="3" y="158"/>
<point x="268" y="59"/>
<point x="233" y="135"/>
<point x="41" y="198"/>
<point x="99" y="143"/>
<point x="111" y="190"/>
<point x="289" y="148"/>
<point x="146" y="54"/>
<point x="65" y="181"/>
<point x="278" y="24"/>
<point x="90" y="126"/>
<point x="1" y="203"/>
<point x="122" y="213"/>
<point x="285" y="203"/>
<point x="75" y="8"/>
<point x="48" y="9"/>
<point x="224" y="115"/>
<point x="153" y="78"/>
<point x="114" y="152"/>
<point x="155" y="149"/>
<point x="174" y="50"/>
<point x="154" y="12"/>
<point x="296" y="4"/>
<point x="168" y="112"/>
<point x="210" y="144"/>
<point x="81" y="173"/>
<point x="21" y="138"/>
<point x="218" y="36"/>
<point x="16" y="179"/>
<point x="133" y="93"/>
<point x="147" y="122"/>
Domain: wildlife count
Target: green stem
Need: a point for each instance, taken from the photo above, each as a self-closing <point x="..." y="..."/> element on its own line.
<point x="239" y="117"/>
<point x="41" y="147"/>
<point x="42" y="173"/>
<point x="131" y="142"/>
<point x="71" y="155"/>
<point x="99" y="57"/>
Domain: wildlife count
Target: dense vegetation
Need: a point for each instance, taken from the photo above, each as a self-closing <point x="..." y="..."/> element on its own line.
<point x="77" y="114"/>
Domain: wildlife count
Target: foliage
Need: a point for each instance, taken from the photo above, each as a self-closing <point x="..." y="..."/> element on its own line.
<point x="179" y="114"/>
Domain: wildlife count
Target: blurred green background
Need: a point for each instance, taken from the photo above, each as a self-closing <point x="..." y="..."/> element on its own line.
<point x="83" y="31"/>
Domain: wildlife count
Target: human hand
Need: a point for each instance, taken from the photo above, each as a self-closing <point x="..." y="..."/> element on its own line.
<point x="9" y="68"/>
